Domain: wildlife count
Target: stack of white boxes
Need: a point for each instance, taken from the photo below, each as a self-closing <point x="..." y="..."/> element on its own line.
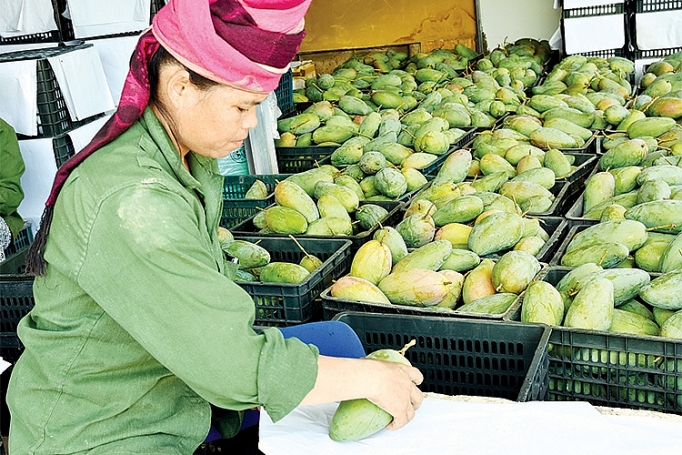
<point x="595" y="27"/>
<point x="642" y="30"/>
<point x="62" y="68"/>
<point x="656" y="30"/>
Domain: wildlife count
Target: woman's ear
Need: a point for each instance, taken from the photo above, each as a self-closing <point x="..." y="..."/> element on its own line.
<point x="177" y="86"/>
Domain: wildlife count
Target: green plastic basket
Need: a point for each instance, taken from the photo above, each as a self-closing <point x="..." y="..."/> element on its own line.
<point x="463" y="357"/>
<point x="283" y="304"/>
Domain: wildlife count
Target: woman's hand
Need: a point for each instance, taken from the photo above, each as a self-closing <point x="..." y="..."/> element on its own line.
<point x="391" y="386"/>
<point x="398" y="393"/>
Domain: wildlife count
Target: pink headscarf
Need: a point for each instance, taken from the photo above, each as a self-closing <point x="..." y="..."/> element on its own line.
<point x="247" y="44"/>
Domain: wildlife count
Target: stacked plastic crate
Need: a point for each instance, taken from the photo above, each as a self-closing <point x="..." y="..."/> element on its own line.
<point x="656" y="30"/>
<point x="595" y="27"/>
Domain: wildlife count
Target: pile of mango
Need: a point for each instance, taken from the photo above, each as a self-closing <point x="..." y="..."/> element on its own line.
<point x="384" y="271"/>
<point x="326" y="202"/>
<point x="663" y="68"/>
<point x="255" y="264"/>
<point x="620" y="300"/>
<point x="524" y="189"/>
<point x="522" y="144"/>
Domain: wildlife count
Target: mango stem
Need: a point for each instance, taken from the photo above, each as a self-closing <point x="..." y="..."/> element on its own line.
<point x="407" y="346"/>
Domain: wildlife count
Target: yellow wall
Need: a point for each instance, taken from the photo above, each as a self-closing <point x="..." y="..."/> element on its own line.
<point x="348" y="24"/>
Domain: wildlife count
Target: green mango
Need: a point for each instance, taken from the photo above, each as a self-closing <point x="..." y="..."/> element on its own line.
<point x="600" y="187"/>
<point x="627" y="153"/>
<point x="299" y="124"/>
<point x="659" y="216"/>
<point x="628" y="232"/>
<point x="461" y="260"/>
<point x="498" y="303"/>
<point x="650" y="126"/>
<point x="632" y="323"/>
<point x="459" y="210"/>
<point x="370" y="215"/>
<point x="283" y="272"/>
<point x="542" y="303"/>
<point x="514" y="271"/>
<point x="290" y="194"/>
<point x="627" y="282"/>
<point x="357" y="419"/>
<point x="486" y="237"/>
<point x="592" y="307"/>
<point x="547" y="138"/>
<point x="606" y="254"/>
<point x="574" y="116"/>
<point x="285" y="220"/>
<point x="664" y="291"/>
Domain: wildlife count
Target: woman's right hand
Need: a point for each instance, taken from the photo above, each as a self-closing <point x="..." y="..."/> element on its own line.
<point x="391" y="386"/>
<point x="397" y="391"/>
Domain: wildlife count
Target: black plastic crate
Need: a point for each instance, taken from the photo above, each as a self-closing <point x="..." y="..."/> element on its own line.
<point x="656" y="53"/>
<point x="613" y="369"/>
<point x="32" y="38"/>
<point x="292" y="160"/>
<point x="596" y="10"/>
<point x="574" y="214"/>
<point x="15" y="254"/>
<point x="652" y="6"/>
<point x="53" y="114"/>
<point x="394" y="216"/>
<point x="16" y="300"/>
<point x="236" y="209"/>
<point x="282" y="304"/>
<point x="463" y="357"/>
<point x="285" y="94"/>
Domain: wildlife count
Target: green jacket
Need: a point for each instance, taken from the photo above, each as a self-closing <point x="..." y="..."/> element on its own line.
<point x="136" y="326"/>
<point x="11" y="170"/>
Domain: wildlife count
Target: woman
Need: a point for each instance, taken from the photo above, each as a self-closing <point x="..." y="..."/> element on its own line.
<point x="137" y="326"/>
<point x="11" y="193"/>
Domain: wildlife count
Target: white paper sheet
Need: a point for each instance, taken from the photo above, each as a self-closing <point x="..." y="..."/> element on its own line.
<point x="4" y="365"/>
<point x="80" y="137"/>
<point x="452" y="427"/>
<point x="594" y="33"/>
<point x="659" y="30"/>
<point x="115" y="56"/>
<point x="18" y="96"/>
<point x="82" y="81"/>
<point x="105" y="17"/>
<point x="24" y="17"/>
<point x="38" y="155"/>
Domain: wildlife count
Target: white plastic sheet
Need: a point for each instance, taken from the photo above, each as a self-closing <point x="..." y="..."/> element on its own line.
<point x="105" y="17"/>
<point x="82" y="82"/>
<point x="594" y="33"/>
<point x="444" y="426"/>
<point x="659" y="30"/>
<point x="25" y="17"/>
<point x="18" y="96"/>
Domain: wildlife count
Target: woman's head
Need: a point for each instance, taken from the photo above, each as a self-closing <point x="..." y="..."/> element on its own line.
<point x="201" y="115"/>
<point x="245" y="43"/>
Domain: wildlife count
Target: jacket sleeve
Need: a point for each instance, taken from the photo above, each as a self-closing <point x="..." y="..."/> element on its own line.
<point x="149" y="266"/>
<point x="11" y="170"/>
